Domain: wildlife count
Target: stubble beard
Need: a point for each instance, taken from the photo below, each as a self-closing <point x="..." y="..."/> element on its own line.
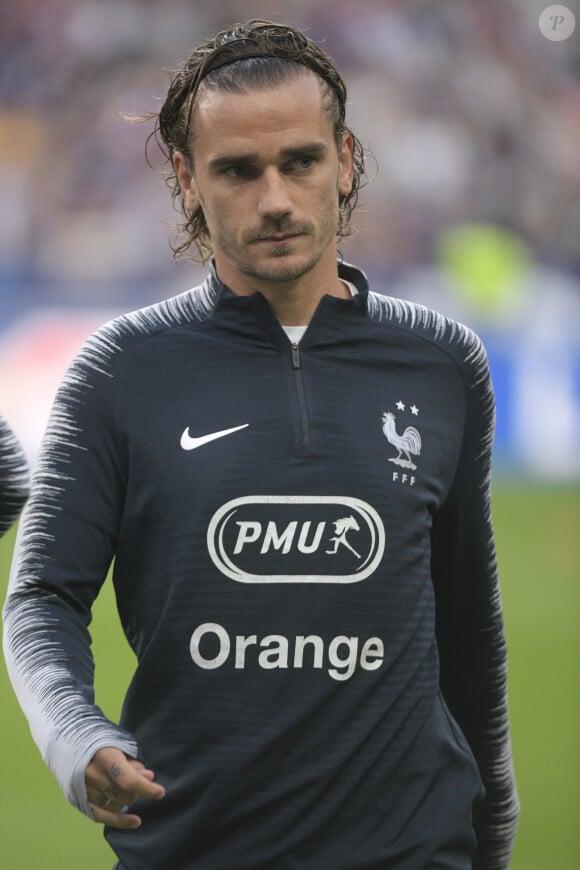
<point x="280" y="273"/>
<point x="277" y="272"/>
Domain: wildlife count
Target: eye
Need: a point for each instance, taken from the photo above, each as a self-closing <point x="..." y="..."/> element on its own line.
<point x="239" y="170"/>
<point x="303" y="164"/>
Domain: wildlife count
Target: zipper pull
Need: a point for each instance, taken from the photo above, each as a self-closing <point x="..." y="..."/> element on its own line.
<point x="295" y="357"/>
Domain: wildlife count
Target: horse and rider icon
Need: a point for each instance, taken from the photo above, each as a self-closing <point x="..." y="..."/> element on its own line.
<point x="341" y="528"/>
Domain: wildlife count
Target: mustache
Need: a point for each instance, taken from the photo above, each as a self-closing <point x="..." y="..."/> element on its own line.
<point x="281" y="227"/>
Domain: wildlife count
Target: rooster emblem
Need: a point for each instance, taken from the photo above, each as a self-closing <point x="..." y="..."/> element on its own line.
<point x="408" y="443"/>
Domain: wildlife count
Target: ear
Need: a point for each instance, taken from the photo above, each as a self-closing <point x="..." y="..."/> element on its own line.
<point x="345" y="164"/>
<point x="186" y="181"/>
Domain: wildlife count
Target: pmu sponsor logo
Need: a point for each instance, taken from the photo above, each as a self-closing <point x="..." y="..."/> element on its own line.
<point x="212" y="647"/>
<point x="296" y="539"/>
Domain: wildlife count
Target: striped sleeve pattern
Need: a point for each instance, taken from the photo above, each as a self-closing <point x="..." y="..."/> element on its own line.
<point x="14" y="480"/>
<point x="470" y="629"/>
<point x="65" y="547"/>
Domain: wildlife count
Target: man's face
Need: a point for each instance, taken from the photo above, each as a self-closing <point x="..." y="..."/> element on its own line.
<point x="267" y="174"/>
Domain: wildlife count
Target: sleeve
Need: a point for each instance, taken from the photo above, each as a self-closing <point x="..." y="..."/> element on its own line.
<point x="14" y="479"/>
<point x="65" y="546"/>
<point x="470" y="630"/>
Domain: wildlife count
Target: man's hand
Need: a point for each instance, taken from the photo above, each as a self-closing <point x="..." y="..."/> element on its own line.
<point x="113" y="782"/>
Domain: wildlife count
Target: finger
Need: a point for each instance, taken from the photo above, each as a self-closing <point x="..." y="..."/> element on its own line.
<point x="108" y="795"/>
<point x="97" y="797"/>
<point x="122" y="821"/>
<point x="118" y="778"/>
<point x="140" y="768"/>
<point x="137" y="765"/>
<point x="133" y="781"/>
<point x="113" y="801"/>
<point x="143" y="785"/>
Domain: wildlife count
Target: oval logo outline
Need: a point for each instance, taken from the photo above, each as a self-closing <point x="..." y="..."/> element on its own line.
<point x="223" y="562"/>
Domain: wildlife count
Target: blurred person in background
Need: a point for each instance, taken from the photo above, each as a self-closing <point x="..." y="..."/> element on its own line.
<point x="14" y="480"/>
<point x="292" y="474"/>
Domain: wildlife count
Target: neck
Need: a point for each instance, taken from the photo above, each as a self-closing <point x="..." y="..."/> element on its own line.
<point x="295" y="306"/>
<point x="293" y="302"/>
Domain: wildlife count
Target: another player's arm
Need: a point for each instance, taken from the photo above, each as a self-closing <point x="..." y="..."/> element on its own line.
<point x="14" y="478"/>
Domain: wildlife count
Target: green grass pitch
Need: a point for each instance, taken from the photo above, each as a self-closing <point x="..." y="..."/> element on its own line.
<point x="538" y="535"/>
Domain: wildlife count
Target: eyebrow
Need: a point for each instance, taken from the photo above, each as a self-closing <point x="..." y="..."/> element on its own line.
<point x="254" y="156"/>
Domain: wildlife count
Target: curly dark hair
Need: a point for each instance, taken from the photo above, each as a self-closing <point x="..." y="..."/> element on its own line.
<point x="255" y="54"/>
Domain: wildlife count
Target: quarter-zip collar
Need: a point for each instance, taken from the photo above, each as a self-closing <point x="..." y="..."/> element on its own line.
<point x="252" y="317"/>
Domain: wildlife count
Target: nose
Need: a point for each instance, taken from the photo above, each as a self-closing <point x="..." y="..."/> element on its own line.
<point x="274" y="200"/>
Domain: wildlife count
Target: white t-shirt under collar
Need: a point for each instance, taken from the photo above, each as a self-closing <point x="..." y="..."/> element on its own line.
<point x="295" y="333"/>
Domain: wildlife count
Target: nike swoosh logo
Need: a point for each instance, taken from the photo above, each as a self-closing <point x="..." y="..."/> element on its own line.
<point x="188" y="442"/>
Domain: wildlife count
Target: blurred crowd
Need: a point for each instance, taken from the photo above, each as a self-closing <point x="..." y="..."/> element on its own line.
<point x="471" y="115"/>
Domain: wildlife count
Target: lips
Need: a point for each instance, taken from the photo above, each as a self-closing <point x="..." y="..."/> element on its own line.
<point x="279" y="235"/>
<point x="284" y="238"/>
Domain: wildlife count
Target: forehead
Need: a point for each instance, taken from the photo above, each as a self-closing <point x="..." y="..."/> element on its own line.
<point x="284" y="113"/>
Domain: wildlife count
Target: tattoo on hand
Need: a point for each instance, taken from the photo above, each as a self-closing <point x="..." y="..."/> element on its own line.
<point x="115" y="771"/>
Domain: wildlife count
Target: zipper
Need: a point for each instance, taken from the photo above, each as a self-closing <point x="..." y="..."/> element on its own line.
<point x="304" y="421"/>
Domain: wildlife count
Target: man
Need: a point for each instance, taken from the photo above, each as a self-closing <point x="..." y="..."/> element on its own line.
<point x="14" y="482"/>
<point x="292" y="473"/>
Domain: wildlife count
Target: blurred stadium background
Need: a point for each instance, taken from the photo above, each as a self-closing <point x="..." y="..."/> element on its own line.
<point x="473" y="118"/>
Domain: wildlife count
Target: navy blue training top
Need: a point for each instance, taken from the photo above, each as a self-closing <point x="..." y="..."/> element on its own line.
<point x="305" y="570"/>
